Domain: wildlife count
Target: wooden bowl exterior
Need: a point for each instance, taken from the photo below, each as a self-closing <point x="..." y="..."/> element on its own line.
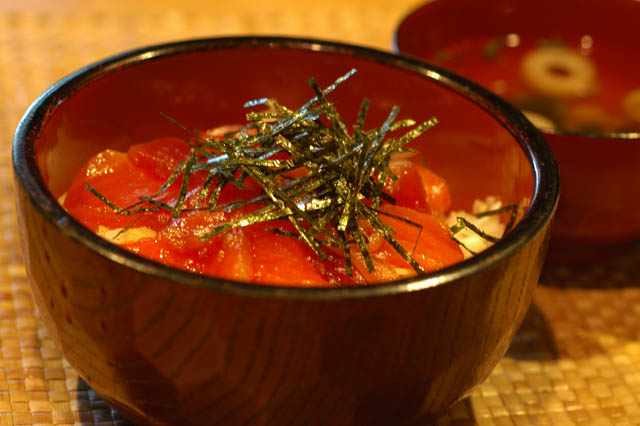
<point x="166" y="353"/>
<point x="168" y="347"/>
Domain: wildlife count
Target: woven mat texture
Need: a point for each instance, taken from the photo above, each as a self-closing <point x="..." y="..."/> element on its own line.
<point x="576" y="359"/>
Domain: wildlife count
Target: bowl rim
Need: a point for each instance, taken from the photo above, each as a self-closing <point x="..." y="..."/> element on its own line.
<point x="620" y="137"/>
<point x="543" y="201"/>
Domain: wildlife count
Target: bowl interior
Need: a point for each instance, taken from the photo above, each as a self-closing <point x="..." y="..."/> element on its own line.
<point x="481" y="145"/>
<point x="206" y="89"/>
<point x="608" y="21"/>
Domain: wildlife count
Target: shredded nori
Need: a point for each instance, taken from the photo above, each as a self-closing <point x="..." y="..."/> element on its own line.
<point x="344" y="182"/>
<point x="462" y="223"/>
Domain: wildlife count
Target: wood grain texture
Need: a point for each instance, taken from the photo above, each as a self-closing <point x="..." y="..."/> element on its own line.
<point x="165" y="353"/>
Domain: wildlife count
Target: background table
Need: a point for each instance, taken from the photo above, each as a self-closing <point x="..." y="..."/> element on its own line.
<point x="576" y="359"/>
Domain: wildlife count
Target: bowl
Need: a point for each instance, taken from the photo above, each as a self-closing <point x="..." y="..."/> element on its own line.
<point x="166" y="346"/>
<point x="485" y="41"/>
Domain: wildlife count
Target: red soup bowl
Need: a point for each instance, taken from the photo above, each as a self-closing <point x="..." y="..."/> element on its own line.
<point x="575" y="62"/>
<point x="167" y="346"/>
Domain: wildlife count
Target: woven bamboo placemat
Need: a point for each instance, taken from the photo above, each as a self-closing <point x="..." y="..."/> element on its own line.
<point x="576" y="359"/>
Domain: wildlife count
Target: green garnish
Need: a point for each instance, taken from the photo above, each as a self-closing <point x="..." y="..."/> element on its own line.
<point x="343" y="183"/>
<point x="492" y="48"/>
<point x="442" y="56"/>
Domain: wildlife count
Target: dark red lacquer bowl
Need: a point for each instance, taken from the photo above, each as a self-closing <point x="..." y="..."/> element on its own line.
<point x="166" y="346"/>
<point x="600" y="172"/>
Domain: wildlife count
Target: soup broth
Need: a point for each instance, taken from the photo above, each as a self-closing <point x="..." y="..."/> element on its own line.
<point x="525" y="72"/>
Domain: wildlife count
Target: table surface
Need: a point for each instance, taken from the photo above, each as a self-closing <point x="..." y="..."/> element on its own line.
<point x="576" y="359"/>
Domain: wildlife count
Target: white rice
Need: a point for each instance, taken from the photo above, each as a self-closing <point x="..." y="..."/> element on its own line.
<point x="491" y="225"/>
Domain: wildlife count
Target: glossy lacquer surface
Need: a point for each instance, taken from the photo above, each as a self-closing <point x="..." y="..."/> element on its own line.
<point x="169" y="347"/>
<point x="600" y="197"/>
